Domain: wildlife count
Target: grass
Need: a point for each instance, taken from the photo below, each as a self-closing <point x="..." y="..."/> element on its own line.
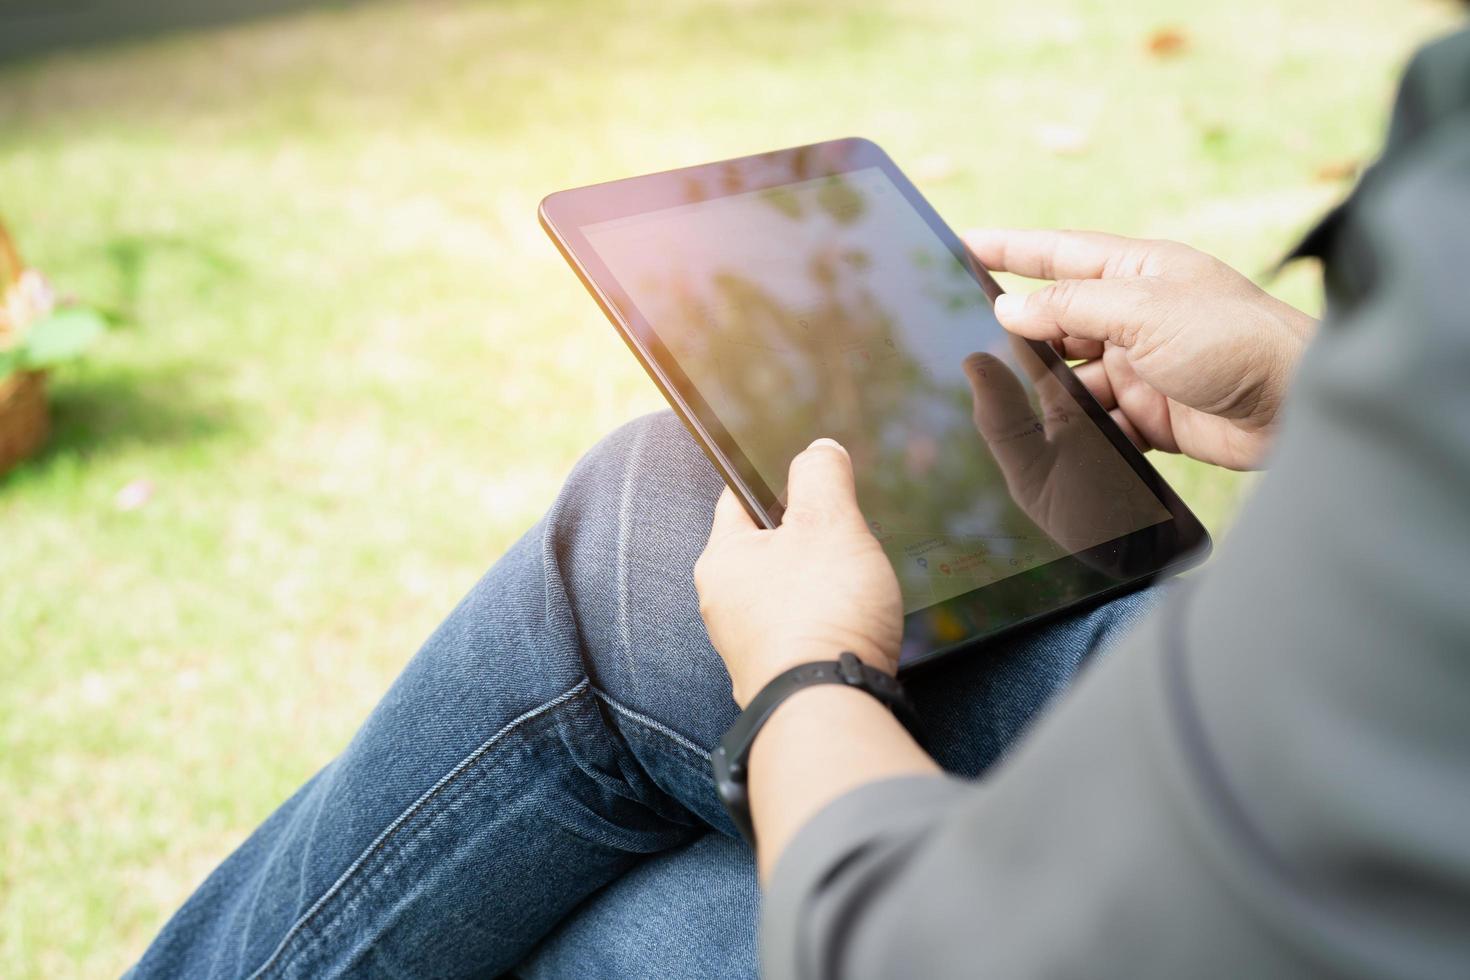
<point x="353" y="370"/>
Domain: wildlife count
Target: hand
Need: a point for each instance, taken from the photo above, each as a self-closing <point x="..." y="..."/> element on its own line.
<point x="815" y="586"/>
<point x="1042" y="450"/>
<point x="1186" y="353"/>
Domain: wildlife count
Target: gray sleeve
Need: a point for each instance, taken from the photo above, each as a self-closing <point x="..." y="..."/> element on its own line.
<point x="1272" y="776"/>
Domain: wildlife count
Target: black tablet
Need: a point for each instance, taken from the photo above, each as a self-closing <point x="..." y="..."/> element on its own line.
<point x="814" y="292"/>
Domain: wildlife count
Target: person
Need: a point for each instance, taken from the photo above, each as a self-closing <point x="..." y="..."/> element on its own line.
<point x="1267" y="774"/>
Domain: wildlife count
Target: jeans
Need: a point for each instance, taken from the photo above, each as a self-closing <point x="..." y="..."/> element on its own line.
<point x="533" y="795"/>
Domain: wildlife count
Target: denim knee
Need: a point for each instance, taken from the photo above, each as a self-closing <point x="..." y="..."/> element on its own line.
<point x="622" y="539"/>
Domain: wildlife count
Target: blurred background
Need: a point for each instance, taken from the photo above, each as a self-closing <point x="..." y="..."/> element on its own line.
<point x="343" y="368"/>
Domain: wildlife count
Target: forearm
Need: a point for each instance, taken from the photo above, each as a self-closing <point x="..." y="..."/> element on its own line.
<point x="821" y="744"/>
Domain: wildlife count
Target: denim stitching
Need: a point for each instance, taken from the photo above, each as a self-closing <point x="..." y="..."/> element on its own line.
<point x="400" y="852"/>
<point x="682" y="741"/>
<point x="383" y="838"/>
<point x="625" y="527"/>
<point x="393" y="856"/>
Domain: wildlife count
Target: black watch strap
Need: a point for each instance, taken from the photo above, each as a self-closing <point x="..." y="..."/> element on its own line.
<point x="732" y="756"/>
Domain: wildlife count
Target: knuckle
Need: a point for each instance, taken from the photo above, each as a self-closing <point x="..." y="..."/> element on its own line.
<point x="1059" y="298"/>
<point x="706" y="605"/>
<point x="802" y="517"/>
<point x="1156" y="303"/>
<point x="1176" y="257"/>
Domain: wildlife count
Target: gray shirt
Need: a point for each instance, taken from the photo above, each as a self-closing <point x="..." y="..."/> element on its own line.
<point x="1272" y="776"/>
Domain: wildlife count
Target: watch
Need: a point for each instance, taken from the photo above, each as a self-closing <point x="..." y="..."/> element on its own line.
<point x="731" y="758"/>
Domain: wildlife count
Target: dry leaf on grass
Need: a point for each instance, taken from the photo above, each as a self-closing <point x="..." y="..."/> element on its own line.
<point x="1167" y="42"/>
<point x="1337" y="171"/>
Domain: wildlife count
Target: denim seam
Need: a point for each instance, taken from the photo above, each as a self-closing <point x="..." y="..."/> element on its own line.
<point x="388" y="862"/>
<point x="625" y="526"/>
<point x="381" y="841"/>
<point x="682" y="741"/>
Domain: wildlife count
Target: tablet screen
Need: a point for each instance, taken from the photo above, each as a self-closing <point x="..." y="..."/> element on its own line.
<point x="814" y="292"/>
<point x="830" y="307"/>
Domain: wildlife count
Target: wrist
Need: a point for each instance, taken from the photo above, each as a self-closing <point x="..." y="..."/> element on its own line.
<point x="854" y="691"/>
<point x="1280" y="334"/>
<point x="1291" y="328"/>
<point x="822" y="743"/>
<point x="833" y="708"/>
<point x="746" y="683"/>
<point x="1293" y="332"/>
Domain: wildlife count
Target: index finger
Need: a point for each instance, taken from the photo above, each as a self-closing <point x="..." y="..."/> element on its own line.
<point x="1041" y="254"/>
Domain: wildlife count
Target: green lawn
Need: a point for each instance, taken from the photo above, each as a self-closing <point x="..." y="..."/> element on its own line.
<point x="353" y="369"/>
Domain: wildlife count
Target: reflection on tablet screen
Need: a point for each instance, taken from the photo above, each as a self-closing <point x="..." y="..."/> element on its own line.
<point x="829" y="307"/>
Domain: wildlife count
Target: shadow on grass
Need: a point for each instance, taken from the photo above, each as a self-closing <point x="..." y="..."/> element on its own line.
<point x="34" y="27"/>
<point x="129" y="257"/>
<point x="98" y="412"/>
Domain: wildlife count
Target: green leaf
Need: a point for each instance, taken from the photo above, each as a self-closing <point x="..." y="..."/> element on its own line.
<point x="60" y="337"/>
<point x="9" y="362"/>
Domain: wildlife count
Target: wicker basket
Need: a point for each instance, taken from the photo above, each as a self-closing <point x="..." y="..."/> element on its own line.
<point x="25" y="421"/>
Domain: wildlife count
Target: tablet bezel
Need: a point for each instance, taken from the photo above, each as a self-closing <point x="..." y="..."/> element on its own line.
<point x="1096" y="573"/>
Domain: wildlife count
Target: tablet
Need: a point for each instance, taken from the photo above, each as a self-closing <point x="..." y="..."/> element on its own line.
<point x="814" y="292"/>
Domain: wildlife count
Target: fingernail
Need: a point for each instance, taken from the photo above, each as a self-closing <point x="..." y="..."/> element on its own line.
<point x="1009" y="305"/>
<point x="824" y="441"/>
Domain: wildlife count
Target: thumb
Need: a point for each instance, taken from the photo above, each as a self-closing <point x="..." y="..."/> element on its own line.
<point x="1111" y="310"/>
<point x="820" y="484"/>
<point x="730" y="517"/>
